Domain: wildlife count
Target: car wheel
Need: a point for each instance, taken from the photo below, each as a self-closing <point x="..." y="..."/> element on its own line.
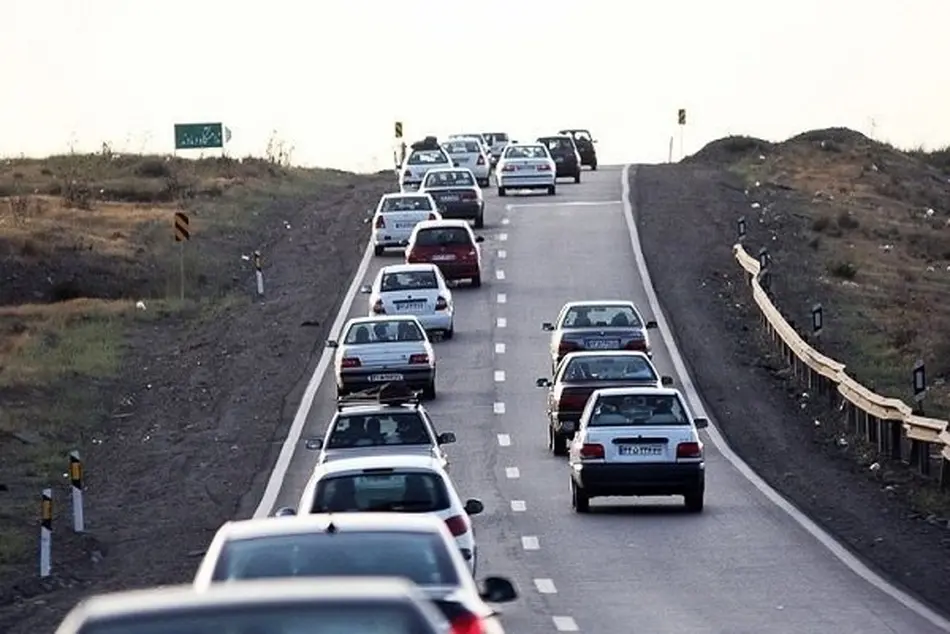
<point x="593" y="166"/>
<point x="558" y="444"/>
<point x="579" y="500"/>
<point x="501" y="191"/>
<point x="577" y="177"/>
<point x="483" y="182"/>
<point x="341" y="392"/>
<point x="552" y="190"/>
<point x="480" y="220"/>
<point x="694" y="501"/>
<point x="378" y="249"/>
<point x="428" y="392"/>
<point x="477" y="281"/>
<point x="448" y="334"/>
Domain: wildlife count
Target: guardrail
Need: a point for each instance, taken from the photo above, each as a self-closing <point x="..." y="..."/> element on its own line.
<point x="888" y="423"/>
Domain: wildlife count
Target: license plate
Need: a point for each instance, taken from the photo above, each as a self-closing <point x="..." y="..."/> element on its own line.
<point x="451" y="198"/>
<point x="559" y="159"/>
<point x="602" y="344"/>
<point x="641" y="450"/>
<point x="379" y="378"/>
<point x="442" y="257"/>
<point x="405" y="225"/>
<point x="407" y="306"/>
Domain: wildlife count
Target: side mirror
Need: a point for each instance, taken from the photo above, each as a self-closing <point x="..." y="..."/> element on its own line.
<point x="543" y="382"/>
<point x="666" y="381"/>
<point x="594" y="141"/>
<point x="285" y="511"/>
<point x="498" y="590"/>
<point x="547" y="326"/>
<point x="473" y="506"/>
<point x="479" y="238"/>
<point x="701" y="423"/>
<point x="651" y="325"/>
<point x="446" y="438"/>
<point x="455" y="164"/>
<point x="314" y="444"/>
<point x="332" y="343"/>
<point x="366" y="290"/>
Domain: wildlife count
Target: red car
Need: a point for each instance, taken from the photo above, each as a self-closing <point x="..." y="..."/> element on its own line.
<point x="449" y="244"/>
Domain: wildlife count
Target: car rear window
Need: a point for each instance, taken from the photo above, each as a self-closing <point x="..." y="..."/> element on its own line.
<point x="390" y="491"/>
<point x="457" y="178"/>
<point x="601" y="316"/>
<point x="374" y="430"/>
<point x="526" y="152"/>
<point x="421" y="557"/>
<point x="496" y="137"/>
<point x="408" y="281"/>
<point x="609" y="368"/>
<point x="406" y="203"/>
<point x="427" y="157"/>
<point x="557" y="144"/>
<point x="636" y="410"/>
<point x="382" y="332"/>
<point x="443" y="237"/>
<point x="461" y="147"/>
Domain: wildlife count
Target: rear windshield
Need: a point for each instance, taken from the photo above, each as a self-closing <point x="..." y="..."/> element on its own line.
<point x="440" y="237"/>
<point x="406" y="203"/>
<point x="374" y="430"/>
<point x="557" y="144"/>
<point x="496" y="137"/>
<point x="382" y="332"/>
<point x="462" y="147"/>
<point x="526" y="152"/>
<point x="423" y="558"/>
<point x="396" y="492"/>
<point x="409" y="280"/>
<point x="601" y="316"/>
<point x="427" y="157"/>
<point x="581" y="136"/>
<point x="650" y="409"/>
<point x="609" y="368"/>
<point x="457" y="178"/>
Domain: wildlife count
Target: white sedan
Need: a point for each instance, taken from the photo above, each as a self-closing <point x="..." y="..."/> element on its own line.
<point x="526" y="166"/>
<point x="396" y="216"/>
<point x="470" y="153"/>
<point x="418" y="163"/>
<point x="414" y="289"/>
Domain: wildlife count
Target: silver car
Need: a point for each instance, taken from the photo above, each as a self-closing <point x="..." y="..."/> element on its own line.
<point x="384" y="349"/>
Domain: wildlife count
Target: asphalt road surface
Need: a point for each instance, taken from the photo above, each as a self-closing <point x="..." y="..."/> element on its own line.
<point x="632" y="565"/>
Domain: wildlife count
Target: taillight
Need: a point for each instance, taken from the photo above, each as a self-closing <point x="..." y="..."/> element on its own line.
<point x="572" y="402"/>
<point x="418" y="358"/>
<point x="350" y="362"/>
<point x="432" y="216"/>
<point x="544" y="168"/>
<point x="689" y="450"/>
<point x="481" y="160"/>
<point x="457" y="525"/>
<point x="378" y="307"/>
<point x="637" y="344"/>
<point x="566" y="346"/>
<point x="441" y="304"/>
<point x="380" y="222"/>
<point x="467" y="623"/>
<point x="509" y="168"/>
<point x="472" y="253"/>
<point x="592" y="451"/>
<point x="468" y="196"/>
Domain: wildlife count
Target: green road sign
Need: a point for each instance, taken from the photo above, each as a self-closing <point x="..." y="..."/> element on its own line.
<point x="196" y="136"/>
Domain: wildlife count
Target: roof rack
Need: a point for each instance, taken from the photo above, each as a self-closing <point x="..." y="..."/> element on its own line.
<point x="391" y="393"/>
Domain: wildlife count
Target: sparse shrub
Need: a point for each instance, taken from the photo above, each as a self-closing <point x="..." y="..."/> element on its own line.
<point x="846" y="221"/>
<point x="153" y="168"/>
<point x="903" y="338"/>
<point x="46" y="171"/>
<point x="843" y="270"/>
<point x="820" y="223"/>
<point x="77" y="195"/>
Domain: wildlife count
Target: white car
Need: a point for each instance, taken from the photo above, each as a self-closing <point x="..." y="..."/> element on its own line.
<point x="637" y="441"/>
<point x="418" y="163"/>
<point x="393" y="484"/>
<point x="414" y="289"/>
<point x="396" y="215"/>
<point x="526" y="166"/>
<point x="470" y="153"/>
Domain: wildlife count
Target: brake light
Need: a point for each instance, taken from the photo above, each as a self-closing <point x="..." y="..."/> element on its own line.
<point x="378" y="307"/>
<point x="432" y="216"/>
<point x="441" y="304"/>
<point x="544" y="168"/>
<point x="467" y="624"/>
<point x="457" y="525"/>
<point x="418" y="359"/>
<point x="689" y="450"/>
<point x="592" y="451"/>
<point x="572" y="402"/>
<point x="380" y="222"/>
<point x="350" y="362"/>
<point x="468" y="196"/>
<point x="637" y="344"/>
<point x="481" y="160"/>
<point x="509" y="168"/>
<point x="566" y="346"/>
<point x="472" y="253"/>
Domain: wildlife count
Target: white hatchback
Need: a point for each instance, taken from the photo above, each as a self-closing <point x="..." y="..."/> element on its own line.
<point x="526" y="166"/>
<point x="470" y="153"/>
<point x="396" y="215"/>
<point x="414" y="289"/>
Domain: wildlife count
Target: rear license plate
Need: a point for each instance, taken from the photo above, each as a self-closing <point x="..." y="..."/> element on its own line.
<point x="379" y="378"/>
<point x="449" y="198"/>
<point x="559" y="159"/>
<point x="405" y="225"/>
<point x="443" y="257"/>
<point x="409" y="306"/>
<point x="602" y="344"/>
<point x="641" y="450"/>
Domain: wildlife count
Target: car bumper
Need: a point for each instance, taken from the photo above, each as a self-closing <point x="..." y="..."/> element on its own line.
<point x="639" y="479"/>
<point x="565" y="423"/>
<point x="436" y="321"/>
<point x="460" y="210"/>
<point x="567" y="169"/>
<point x="458" y="270"/>
<point x="361" y="379"/>
<point x="392" y="237"/>
<point x="410" y="186"/>
<point x="526" y="182"/>
<point x="588" y="159"/>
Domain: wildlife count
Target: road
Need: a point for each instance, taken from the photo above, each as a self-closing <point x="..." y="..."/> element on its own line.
<point x="743" y="565"/>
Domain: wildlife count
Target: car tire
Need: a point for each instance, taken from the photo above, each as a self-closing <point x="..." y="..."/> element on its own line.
<point x="557" y="443"/>
<point x="477" y="281"/>
<point x="428" y="392"/>
<point x="593" y="166"/>
<point x="502" y="191"/>
<point x="552" y="190"/>
<point x="694" y="501"/>
<point x="580" y="502"/>
<point x="341" y="392"/>
<point x="378" y="249"/>
<point x="577" y="177"/>
<point x="448" y="334"/>
<point x="480" y="220"/>
<point x="483" y="182"/>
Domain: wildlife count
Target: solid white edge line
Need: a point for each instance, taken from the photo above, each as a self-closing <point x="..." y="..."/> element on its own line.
<point x="276" y="479"/>
<point x="836" y="549"/>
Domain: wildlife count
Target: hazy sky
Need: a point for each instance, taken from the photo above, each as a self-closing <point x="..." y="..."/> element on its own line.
<point x="331" y="76"/>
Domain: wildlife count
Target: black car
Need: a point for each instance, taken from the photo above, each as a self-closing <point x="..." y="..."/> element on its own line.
<point x="567" y="159"/>
<point x="585" y="146"/>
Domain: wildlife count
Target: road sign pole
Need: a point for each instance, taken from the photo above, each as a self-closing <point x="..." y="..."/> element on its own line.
<point x="181" y="270"/>
<point x="670" y="158"/>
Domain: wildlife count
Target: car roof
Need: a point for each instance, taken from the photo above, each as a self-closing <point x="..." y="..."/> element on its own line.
<point x="407" y="268"/>
<point x="406" y="195"/>
<point x="368" y="319"/>
<point x="601" y="302"/>
<point x="379" y="408"/>
<point x="557" y="136"/>
<point x="437" y="170"/>
<point x="444" y="223"/>
<point x="641" y="390"/>
<point x="607" y="353"/>
<point x="531" y="144"/>
<point x="385" y="461"/>
<point x="474" y="136"/>
<point x="318" y="522"/>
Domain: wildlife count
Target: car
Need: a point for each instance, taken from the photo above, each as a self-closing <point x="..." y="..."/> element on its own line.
<point x="478" y="136"/>
<point x="526" y="166"/>
<point x="418" y="163"/>
<point x="449" y="244"/>
<point x="585" y="146"/>
<point x="274" y="605"/>
<point x="395" y="216"/>
<point x="382" y="349"/>
<point x="567" y="160"/>
<point x="418" y="547"/>
<point x="637" y="441"/>
<point x="398" y="425"/>
<point x="456" y="193"/>
<point x="470" y="153"/>
<point x="579" y="374"/>
<point x="414" y="289"/>
<point x="394" y="484"/>
<point x="598" y="325"/>
<point x="497" y="142"/>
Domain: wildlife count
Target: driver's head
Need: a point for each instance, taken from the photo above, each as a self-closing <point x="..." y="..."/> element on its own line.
<point x="372" y="425"/>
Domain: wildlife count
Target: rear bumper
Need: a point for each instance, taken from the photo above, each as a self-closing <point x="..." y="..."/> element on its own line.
<point x="410" y="186"/>
<point x="464" y="210"/>
<point x="355" y="380"/>
<point x="458" y="270"/>
<point x="525" y="182"/>
<point x="567" y="169"/>
<point x="599" y="480"/>
<point x="392" y="237"/>
<point x="588" y="158"/>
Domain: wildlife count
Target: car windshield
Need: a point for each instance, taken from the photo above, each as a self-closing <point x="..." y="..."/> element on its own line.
<point x="368" y="332"/>
<point x="609" y="368"/>
<point x="374" y="430"/>
<point x="526" y="152"/>
<point x="418" y="492"/>
<point x="369" y="616"/>
<point x="557" y="144"/>
<point x="496" y="137"/>
<point x="455" y="178"/>
<point x="421" y="557"/>
<point x="641" y="409"/>
<point x="406" y="203"/>
<point x="427" y="157"/>
<point x="443" y="237"/>
<point x="408" y="281"/>
<point x="581" y="135"/>
<point x="609" y="316"/>
<point x="461" y="147"/>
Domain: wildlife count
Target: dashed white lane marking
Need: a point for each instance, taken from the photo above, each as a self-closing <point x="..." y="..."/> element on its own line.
<point x="499" y="376"/>
<point x="499" y="348"/>
<point x="501" y="322"/>
<point x="519" y="506"/>
<point x="499" y="408"/>
<point x="505" y="221"/>
<point x="504" y="440"/>
<point x="502" y="236"/>
<point x="530" y="542"/>
<point x="499" y="274"/>
<point x="512" y="473"/>
<point x="545" y="586"/>
<point x="502" y="298"/>
<point x="502" y="254"/>
<point x="565" y="624"/>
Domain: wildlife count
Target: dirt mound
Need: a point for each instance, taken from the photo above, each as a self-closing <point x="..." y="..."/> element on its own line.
<point x="729" y="150"/>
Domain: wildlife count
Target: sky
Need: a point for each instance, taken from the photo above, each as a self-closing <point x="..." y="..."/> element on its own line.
<point x="332" y="76"/>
